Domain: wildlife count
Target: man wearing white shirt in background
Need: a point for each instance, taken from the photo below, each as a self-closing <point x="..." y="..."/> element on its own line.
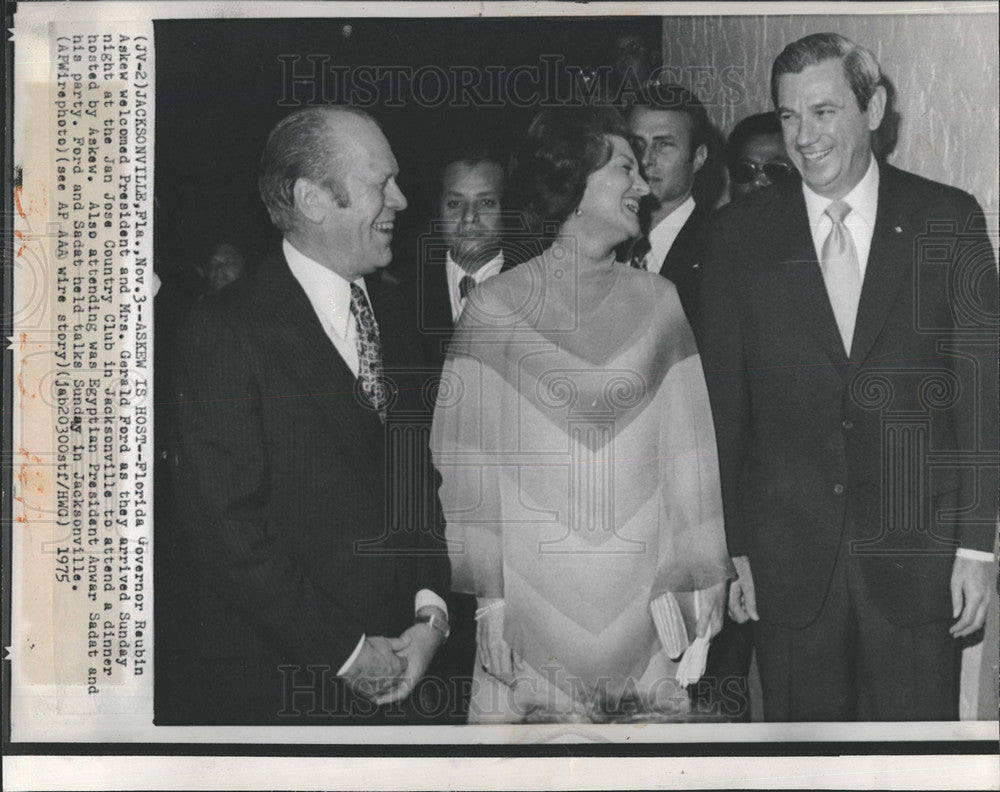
<point x="853" y="378"/>
<point x="316" y="570"/>
<point x="670" y="132"/>
<point x="470" y="224"/>
<point x="463" y="250"/>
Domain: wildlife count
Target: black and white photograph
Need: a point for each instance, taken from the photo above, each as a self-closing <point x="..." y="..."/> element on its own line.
<point x="613" y="327"/>
<point x="512" y="378"/>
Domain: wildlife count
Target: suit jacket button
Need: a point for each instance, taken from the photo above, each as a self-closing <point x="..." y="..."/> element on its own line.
<point x="838" y="489"/>
<point x="848" y="425"/>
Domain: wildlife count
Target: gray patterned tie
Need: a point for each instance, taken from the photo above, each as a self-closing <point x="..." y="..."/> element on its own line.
<point x="841" y="272"/>
<point x="465" y="286"/>
<point x="373" y="386"/>
<point x="640" y="254"/>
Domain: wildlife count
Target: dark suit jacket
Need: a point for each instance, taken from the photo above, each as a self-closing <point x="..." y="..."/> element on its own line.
<point x="432" y="309"/>
<point x="811" y="441"/>
<point x="306" y="523"/>
<point x="682" y="264"/>
<point x="430" y="306"/>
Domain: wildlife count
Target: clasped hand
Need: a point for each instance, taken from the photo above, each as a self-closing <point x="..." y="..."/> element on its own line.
<point x="387" y="669"/>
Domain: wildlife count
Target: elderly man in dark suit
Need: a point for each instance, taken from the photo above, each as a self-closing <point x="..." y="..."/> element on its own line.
<point x="848" y="331"/>
<point x="316" y="565"/>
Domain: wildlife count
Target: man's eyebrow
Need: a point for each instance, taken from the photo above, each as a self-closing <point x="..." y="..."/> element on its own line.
<point x="459" y="193"/>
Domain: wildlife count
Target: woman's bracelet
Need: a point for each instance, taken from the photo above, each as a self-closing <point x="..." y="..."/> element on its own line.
<point x="481" y="612"/>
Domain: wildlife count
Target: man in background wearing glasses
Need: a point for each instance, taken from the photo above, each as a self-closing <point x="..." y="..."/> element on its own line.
<point x="755" y="155"/>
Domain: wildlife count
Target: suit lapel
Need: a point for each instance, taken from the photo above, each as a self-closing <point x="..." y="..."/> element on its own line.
<point x="803" y="277"/>
<point x="887" y="263"/>
<point x="316" y="373"/>
<point x="434" y="300"/>
<point x="682" y="254"/>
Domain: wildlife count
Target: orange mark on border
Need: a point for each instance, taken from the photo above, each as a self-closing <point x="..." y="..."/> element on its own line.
<point x="23" y="339"/>
<point x="28" y="455"/>
<point x="17" y="201"/>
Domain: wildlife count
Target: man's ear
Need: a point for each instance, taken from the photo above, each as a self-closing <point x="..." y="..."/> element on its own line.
<point x="700" y="155"/>
<point x="312" y="200"/>
<point x="876" y="108"/>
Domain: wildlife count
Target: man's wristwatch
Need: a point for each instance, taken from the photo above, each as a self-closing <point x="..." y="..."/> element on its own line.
<point x="437" y="623"/>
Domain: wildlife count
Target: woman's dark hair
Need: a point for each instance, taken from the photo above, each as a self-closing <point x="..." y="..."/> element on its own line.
<point x="562" y="147"/>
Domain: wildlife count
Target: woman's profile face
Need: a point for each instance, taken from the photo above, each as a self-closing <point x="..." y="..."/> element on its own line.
<point x="609" y="209"/>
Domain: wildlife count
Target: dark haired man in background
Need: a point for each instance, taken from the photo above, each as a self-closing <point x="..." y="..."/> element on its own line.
<point x="755" y="155"/>
<point x="466" y="246"/>
<point x="670" y="132"/>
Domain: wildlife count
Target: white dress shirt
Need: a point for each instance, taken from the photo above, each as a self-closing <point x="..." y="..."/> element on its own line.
<point x="860" y="224"/>
<point x="455" y="273"/>
<point x="664" y="234"/>
<point x="330" y="296"/>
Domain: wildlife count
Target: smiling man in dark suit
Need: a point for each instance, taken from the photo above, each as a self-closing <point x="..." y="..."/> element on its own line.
<point x="848" y="333"/>
<point x="316" y="563"/>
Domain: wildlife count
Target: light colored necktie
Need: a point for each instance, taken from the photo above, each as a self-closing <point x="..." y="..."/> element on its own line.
<point x="841" y="272"/>
<point x="370" y="377"/>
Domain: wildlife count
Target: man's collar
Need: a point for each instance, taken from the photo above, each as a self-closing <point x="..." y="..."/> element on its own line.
<point x="863" y="199"/>
<point x="664" y="232"/>
<point x="677" y="218"/>
<point x="488" y="270"/>
<point x="329" y="293"/>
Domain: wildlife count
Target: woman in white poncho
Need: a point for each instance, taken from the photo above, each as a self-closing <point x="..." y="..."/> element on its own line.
<point x="575" y="441"/>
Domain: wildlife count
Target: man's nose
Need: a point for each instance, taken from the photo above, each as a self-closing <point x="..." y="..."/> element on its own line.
<point x="760" y="180"/>
<point x="806" y="132"/>
<point x="395" y="198"/>
<point x="648" y="157"/>
<point x="469" y="215"/>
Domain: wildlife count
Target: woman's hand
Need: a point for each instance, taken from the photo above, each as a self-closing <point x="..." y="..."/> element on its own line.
<point x="494" y="652"/>
<point x="712" y="605"/>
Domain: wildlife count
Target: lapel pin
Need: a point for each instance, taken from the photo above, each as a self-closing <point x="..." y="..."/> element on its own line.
<point x="897" y="229"/>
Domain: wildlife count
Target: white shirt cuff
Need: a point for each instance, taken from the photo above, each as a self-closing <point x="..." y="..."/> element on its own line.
<point x="974" y="555"/>
<point x="354" y="656"/>
<point x="424" y="597"/>
<point x="427" y="597"/>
